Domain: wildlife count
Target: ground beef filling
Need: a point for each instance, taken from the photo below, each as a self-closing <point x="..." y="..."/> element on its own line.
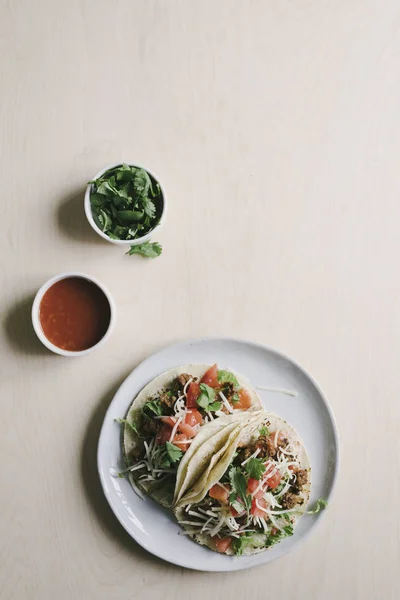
<point x="289" y="500"/>
<point x="266" y="446"/>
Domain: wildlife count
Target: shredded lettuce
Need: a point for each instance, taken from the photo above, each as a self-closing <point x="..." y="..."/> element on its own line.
<point x="320" y="505"/>
<point x="152" y="407"/>
<point x="247" y="539"/>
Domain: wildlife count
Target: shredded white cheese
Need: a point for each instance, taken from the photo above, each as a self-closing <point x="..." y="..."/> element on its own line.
<point x="278" y="390"/>
<point x="276" y="437"/>
<point x="252" y="456"/>
<point x="225" y="402"/>
<point x="261" y="507"/>
<point x="185" y="389"/>
<point x="174" y="429"/>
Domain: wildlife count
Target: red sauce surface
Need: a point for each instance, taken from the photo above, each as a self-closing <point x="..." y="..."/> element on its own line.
<point x="74" y="314"/>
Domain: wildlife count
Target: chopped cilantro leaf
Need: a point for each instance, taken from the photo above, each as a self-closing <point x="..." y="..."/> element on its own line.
<point x="207" y="399"/>
<point x="264" y="430"/>
<point x="239" y="487"/>
<point x="174" y="453"/>
<point x="255" y="468"/>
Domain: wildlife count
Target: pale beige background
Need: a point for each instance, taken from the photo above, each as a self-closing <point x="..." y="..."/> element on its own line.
<point x="275" y="126"/>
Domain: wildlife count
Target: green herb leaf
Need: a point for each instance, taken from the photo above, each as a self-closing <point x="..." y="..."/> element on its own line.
<point x="152" y="407"/>
<point x="148" y="249"/>
<point x="227" y="377"/>
<point x="320" y="505"/>
<point x="149" y="207"/>
<point x="255" y="468"/>
<point x="105" y="220"/>
<point x="207" y="399"/>
<point x="174" y="453"/>
<point x="130" y="425"/>
<point x="141" y="183"/>
<point x="264" y="430"/>
<point x="239" y="487"/>
<point x="97" y="200"/>
<point x="130" y="216"/>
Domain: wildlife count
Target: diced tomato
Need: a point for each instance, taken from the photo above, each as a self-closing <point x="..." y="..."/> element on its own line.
<point x="272" y="478"/>
<point x="179" y="440"/>
<point x="220" y="493"/>
<point x="193" y="418"/>
<point x="256" y="511"/>
<point x="252" y="485"/>
<point x="187" y="430"/>
<point x="222" y="544"/>
<point x="244" y="400"/>
<point x="163" y="434"/>
<point x="168" y="421"/>
<point x="210" y="377"/>
<point x="192" y="394"/>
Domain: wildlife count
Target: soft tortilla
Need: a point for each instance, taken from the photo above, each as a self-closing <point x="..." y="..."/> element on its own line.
<point x="189" y="470"/>
<point x="244" y="436"/>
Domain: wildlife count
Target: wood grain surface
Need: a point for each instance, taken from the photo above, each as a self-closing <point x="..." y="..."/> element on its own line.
<point x="275" y="127"/>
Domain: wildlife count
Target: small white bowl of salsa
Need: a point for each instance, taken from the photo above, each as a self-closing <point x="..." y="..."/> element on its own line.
<point x="73" y="314"/>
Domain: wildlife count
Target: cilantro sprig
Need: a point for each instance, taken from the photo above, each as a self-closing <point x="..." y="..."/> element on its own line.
<point x="255" y="468"/>
<point x="207" y="399"/>
<point x="147" y="249"/>
<point x="174" y="453"/>
<point x="239" y="493"/>
<point x="171" y="454"/>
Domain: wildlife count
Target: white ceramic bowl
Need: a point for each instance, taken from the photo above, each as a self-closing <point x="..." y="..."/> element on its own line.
<point x="88" y="208"/>
<point x="36" y="318"/>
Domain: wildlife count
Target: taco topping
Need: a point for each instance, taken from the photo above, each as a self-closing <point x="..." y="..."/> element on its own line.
<point x="255" y="503"/>
<point x="170" y="420"/>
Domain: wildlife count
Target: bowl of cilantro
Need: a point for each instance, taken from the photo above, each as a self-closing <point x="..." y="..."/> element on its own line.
<point x="125" y="204"/>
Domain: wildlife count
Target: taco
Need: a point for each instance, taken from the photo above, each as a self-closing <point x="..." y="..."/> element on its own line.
<point x="254" y="495"/>
<point x="173" y="416"/>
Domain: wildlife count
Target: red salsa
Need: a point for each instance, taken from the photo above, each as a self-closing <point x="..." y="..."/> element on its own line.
<point x="74" y="314"/>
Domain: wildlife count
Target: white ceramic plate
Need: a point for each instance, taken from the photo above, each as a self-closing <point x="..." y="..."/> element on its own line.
<point x="153" y="527"/>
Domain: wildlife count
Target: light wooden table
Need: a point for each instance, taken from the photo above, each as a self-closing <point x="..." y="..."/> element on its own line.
<point x="275" y="127"/>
